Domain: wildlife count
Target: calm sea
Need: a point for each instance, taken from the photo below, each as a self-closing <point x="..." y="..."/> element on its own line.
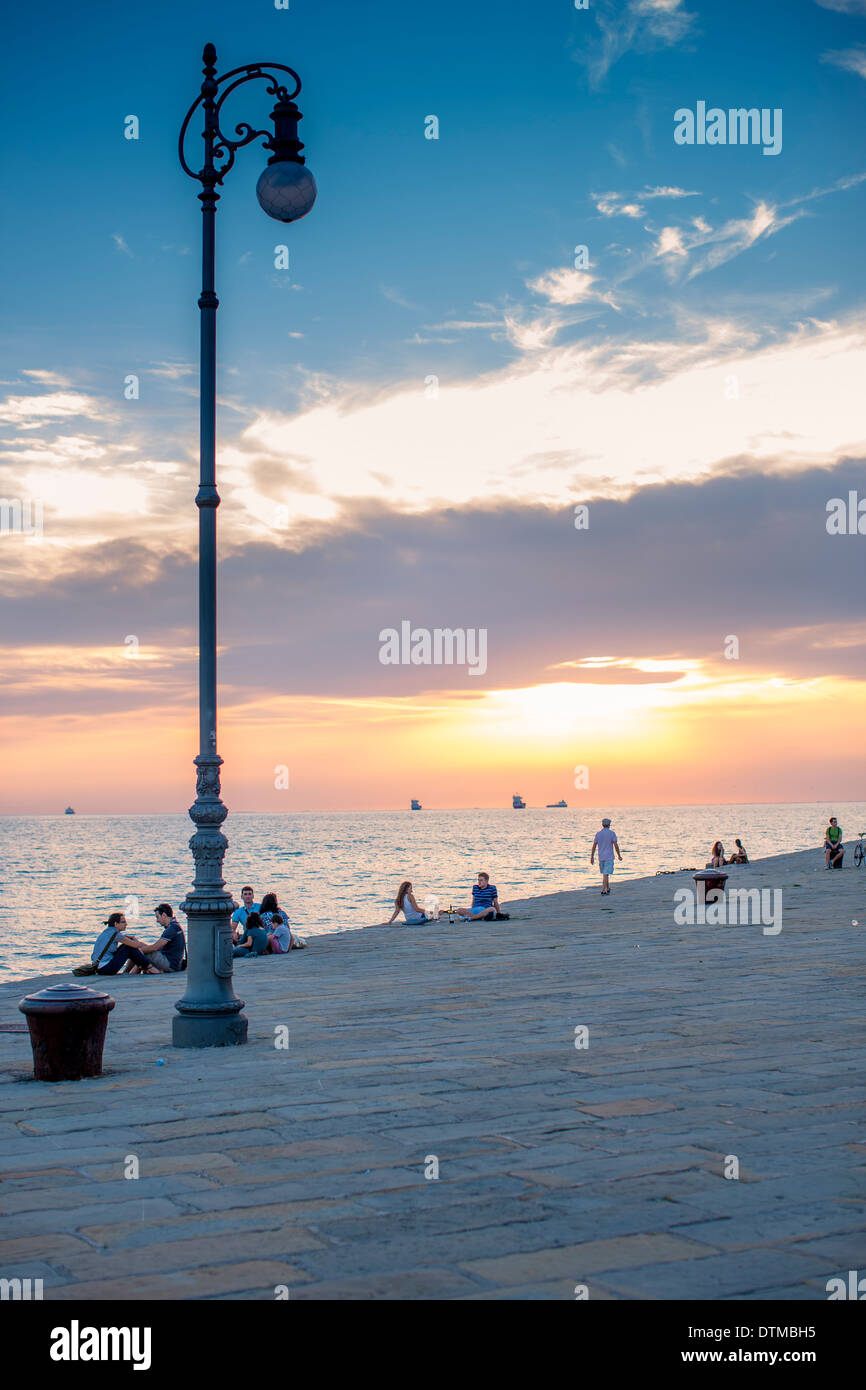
<point x="60" y="876"/>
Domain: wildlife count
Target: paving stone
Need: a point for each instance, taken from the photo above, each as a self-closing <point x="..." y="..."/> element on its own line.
<point x="588" y="1258"/>
<point x="258" y="1275"/>
<point x="311" y="1161"/>
<point x="740" y="1273"/>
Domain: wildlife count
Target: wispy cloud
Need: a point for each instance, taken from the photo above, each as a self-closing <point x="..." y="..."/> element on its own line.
<point x="642" y="25"/>
<point x="631" y="204"/>
<point x="396" y="297"/>
<point x="670" y="242"/>
<point x="532" y="335"/>
<point x="175" y="371"/>
<point x="844" y="6"/>
<point x="45" y="378"/>
<point x="668" y="191"/>
<point x="614" y="205"/>
<point x="29" y="412"/>
<point x="563" y="286"/>
<point x="121" y="245"/>
<point x="849" y="59"/>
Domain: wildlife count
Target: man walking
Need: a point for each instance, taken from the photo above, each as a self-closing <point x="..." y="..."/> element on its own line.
<point x="605" y="842"/>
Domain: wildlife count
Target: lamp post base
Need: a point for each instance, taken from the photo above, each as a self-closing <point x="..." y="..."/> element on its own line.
<point x="209" y="1030"/>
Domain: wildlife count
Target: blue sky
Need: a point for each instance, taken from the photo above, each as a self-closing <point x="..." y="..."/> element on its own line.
<point x="709" y="360"/>
<point x="505" y="193"/>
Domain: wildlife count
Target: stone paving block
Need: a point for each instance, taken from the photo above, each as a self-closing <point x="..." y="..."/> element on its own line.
<point x="211" y="1124"/>
<point x="33" y="1223"/>
<point x="401" y="1284"/>
<point x="848" y="1249"/>
<point x="792" y="1293"/>
<point x="190" y="1254"/>
<point x="280" y="1216"/>
<point x="740" y="1273"/>
<point x="590" y="1257"/>
<point x="786" y="1224"/>
<point x="223" y="1279"/>
<point x="611" y="1108"/>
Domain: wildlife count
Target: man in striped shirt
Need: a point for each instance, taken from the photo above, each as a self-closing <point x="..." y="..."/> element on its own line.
<point x="485" y="901"/>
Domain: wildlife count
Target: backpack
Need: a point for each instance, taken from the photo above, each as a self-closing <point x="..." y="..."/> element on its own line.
<point x="92" y="966"/>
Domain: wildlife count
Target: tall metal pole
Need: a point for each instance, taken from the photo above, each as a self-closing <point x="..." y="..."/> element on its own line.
<point x="209" y="1014"/>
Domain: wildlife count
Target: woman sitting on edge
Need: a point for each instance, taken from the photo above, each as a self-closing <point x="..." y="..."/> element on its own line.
<point x="276" y="923"/>
<point x="406" y="903"/>
<point x="717" y="856"/>
<point x="117" y="949"/>
<point x="740" y="857"/>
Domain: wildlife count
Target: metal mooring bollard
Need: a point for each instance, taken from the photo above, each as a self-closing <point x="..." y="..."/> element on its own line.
<point x="67" y="1031"/>
<point x="712" y="879"/>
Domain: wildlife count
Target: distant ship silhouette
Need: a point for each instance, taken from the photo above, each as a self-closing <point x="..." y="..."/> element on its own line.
<point x="555" y="805"/>
<point x="517" y="802"/>
<point x="69" y="811"/>
<point x="416" y="805"/>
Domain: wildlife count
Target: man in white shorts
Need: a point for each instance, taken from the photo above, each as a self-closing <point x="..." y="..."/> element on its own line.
<point x="605" y="842"/>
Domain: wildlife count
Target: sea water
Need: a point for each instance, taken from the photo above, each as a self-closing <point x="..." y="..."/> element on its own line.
<point x="60" y="876"/>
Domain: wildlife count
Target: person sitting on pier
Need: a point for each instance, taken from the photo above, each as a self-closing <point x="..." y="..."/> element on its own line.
<point x="485" y="901"/>
<point x="271" y="912"/>
<point x="240" y="914"/>
<point x="717" y="856"/>
<point x="834" y="850"/>
<point x="406" y="902"/>
<point x="169" y="952"/>
<point x="740" y="857"/>
<point x="116" y="949"/>
<point x="280" y="938"/>
<point x="255" y="938"/>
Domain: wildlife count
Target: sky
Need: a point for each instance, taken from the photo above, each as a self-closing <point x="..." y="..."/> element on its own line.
<point x="551" y="377"/>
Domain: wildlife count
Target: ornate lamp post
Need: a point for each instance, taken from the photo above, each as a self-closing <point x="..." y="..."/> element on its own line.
<point x="209" y="1014"/>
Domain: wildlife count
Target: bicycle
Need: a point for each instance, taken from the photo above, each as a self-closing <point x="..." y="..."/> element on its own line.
<point x="860" y="850"/>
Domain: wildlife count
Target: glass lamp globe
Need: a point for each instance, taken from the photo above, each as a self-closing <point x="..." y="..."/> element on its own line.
<point x="286" y="190"/>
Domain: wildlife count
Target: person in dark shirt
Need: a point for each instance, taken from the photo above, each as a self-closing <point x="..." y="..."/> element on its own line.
<point x="117" y="948"/>
<point x="485" y="901"/>
<point x="255" y="939"/>
<point x="168" y="953"/>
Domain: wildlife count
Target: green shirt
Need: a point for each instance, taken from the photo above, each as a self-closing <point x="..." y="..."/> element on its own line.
<point x="833" y="834"/>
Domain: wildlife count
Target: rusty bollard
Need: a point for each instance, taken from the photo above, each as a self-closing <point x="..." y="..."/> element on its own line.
<point x="707" y="882"/>
<point x="67" y="1031"/>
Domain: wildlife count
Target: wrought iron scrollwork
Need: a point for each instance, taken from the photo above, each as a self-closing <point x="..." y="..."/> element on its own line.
<point x="219" y="146"/>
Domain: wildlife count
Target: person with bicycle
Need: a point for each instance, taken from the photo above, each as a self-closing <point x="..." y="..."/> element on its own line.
<point x="834" y="850"/>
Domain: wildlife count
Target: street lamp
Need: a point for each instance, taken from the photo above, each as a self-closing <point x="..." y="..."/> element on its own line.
<point x="209" y="1014"/>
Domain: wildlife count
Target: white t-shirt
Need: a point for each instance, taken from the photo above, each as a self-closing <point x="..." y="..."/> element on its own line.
<point x="605" y="839"/>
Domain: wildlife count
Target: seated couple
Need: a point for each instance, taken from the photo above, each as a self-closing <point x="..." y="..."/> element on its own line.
<point x="260" y="929"/>
<point x="117" y="949"/>
<point x="717" y="855"/>
<point x="485" y="906"/>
